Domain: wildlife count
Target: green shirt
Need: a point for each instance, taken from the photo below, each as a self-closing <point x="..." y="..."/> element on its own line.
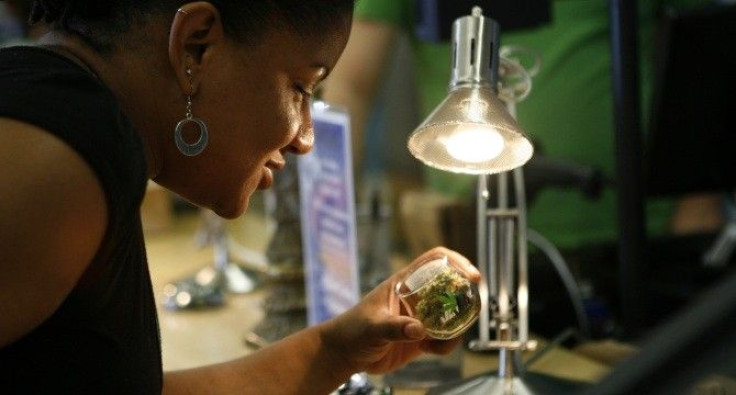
<point x="569" y="112"/>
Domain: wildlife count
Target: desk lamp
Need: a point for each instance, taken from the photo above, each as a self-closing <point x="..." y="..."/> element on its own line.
<point x="472" y="132"/>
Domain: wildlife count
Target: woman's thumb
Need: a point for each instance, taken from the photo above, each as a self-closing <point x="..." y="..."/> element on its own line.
<point x="403" y="329"/>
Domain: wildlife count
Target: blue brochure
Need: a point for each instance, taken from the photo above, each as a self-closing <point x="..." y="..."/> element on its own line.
<point x="327" y="202"/>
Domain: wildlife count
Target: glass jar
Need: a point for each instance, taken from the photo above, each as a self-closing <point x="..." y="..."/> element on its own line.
<point x="441" y="296"/>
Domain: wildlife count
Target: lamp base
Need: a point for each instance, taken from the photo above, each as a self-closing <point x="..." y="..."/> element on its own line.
<point x="491" y="384"/>
<point x="423" y="374"/>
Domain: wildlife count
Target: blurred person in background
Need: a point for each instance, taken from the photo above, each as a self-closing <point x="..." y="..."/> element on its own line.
<point x="14" y="26"/>
<point x="568" y="115"/>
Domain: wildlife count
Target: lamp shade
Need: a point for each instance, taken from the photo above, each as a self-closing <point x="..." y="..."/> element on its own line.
<point x="471" y="132"/>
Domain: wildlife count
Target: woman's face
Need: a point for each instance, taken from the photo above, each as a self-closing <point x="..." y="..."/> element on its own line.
<point x="256" y="103"/>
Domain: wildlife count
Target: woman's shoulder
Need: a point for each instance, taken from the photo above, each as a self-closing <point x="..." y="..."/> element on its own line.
<point x="42" y="81"/>
<point x="53" y="218"/>
<point x="44" y="89"/>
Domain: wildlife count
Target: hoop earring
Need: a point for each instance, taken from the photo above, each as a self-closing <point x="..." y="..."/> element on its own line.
<point x="199" y="146"/>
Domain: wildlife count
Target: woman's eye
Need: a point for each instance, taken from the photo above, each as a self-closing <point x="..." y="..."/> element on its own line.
<point x="302" y="90"/>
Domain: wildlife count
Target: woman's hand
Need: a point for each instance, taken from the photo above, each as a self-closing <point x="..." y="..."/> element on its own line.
<point x="374" y="337"/>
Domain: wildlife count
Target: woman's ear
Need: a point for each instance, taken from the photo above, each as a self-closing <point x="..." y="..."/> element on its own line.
<point x="195" y="28"/>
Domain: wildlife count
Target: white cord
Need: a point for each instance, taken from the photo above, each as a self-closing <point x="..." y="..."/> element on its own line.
<point x="515" y="84"/>
<point x="515" y="79"/>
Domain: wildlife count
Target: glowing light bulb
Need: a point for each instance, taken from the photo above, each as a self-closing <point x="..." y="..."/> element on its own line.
<point x="475" y="108"/>
<point x="475" y="144"/>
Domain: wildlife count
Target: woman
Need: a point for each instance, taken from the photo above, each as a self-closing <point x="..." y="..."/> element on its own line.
<point x="205" y="98"/>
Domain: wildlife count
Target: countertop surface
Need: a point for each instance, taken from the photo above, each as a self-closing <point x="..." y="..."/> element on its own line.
<point x="195" y="338"/>
<point x="204" y="336"/>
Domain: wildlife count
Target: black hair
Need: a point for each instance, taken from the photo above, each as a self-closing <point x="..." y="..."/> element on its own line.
<point x="100" y="22"/>
<point x="22" y="8"/>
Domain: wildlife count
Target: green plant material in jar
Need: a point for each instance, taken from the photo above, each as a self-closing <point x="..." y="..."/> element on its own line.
<point x="447" y="304"/>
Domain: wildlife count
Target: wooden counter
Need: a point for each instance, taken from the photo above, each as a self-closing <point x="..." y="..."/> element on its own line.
<point x="194" y="338"/>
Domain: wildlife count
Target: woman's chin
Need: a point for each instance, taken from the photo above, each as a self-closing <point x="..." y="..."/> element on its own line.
<point x="234" y="210"/>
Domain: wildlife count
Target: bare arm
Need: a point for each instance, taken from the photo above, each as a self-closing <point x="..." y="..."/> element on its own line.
<point x="698" y="213"/>
<point x="371" y="337"/>
<point x="52" y="219"/>
<point x="299" y="364"/>
<point x="357" y="76"/>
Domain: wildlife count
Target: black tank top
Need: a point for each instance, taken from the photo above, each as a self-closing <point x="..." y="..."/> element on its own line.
<point x="104" y="338"/>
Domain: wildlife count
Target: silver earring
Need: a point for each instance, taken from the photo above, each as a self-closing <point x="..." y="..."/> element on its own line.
<point x="199" y="146"/>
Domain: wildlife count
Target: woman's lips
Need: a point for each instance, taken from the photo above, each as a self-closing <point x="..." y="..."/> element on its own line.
<point x="275" y="165"/>
<point x="268" y="172"/>
<point x="266" y="179"/>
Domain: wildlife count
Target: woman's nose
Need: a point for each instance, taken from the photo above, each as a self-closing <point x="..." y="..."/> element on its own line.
<point x="304" y="140"/>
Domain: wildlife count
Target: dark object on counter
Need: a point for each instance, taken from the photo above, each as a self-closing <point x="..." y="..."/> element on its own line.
<point x="696" y="344"/>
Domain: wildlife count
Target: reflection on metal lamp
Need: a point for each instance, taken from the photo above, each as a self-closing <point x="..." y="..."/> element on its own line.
<point x="472" y="132"/>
